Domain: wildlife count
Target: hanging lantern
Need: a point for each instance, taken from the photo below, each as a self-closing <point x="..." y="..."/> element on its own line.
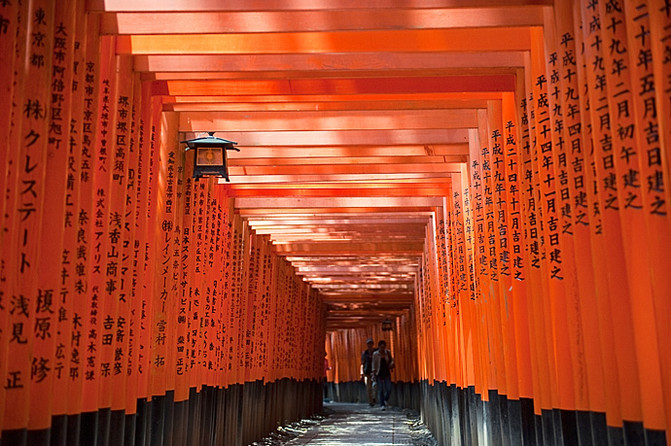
<point x="387" y="325"/>
<point x="210" y="155"/>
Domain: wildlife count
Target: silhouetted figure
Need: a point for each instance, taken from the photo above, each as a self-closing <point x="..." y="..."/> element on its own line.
<point x="383" y="364"/>
<point x="367" y="370"/>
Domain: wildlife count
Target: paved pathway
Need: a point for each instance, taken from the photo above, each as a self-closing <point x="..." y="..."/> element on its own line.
<point x="360" y="425"/>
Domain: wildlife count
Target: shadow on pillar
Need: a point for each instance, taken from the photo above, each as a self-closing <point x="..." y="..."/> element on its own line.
<point x="459" y="416"/>
<point x="233" y="416"/>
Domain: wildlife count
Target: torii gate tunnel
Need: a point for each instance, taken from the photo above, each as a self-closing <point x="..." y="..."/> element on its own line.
<point x="490" y="176"/>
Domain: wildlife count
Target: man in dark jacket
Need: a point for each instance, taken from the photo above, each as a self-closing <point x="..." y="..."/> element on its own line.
<point x="367" y="370"/>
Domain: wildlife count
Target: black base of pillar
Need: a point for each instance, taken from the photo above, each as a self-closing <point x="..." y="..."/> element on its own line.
<point x="459" y="416"/>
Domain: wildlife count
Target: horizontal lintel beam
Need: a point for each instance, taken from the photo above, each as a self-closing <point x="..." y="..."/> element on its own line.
<point x="337" y="86"/>
<point x="315" y="63"/>
<point x="343" y="159"/>
<point x="297" y="5"/>
<point x="315" y="20"/>
<point x="244" y="107"/>
<point x="346" y="152"/>
<point x="319" y="138"/>
<point x="328" y="120"/>
<point x="345" y="169"/>
<point x="315" y="42"/>
<point x="334" y="202"/>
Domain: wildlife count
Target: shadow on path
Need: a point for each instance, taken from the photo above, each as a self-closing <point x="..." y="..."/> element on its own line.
<point x="354" y="424"/>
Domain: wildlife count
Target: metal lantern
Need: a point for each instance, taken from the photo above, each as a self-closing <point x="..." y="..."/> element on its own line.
<point x="387" y="325"/>
<point x="210" y="155"/>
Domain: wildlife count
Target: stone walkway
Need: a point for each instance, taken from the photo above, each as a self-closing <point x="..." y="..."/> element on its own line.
<point x="358" y="424"/>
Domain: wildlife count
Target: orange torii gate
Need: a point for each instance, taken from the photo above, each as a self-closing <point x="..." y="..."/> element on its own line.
<point x="490" y="176"/>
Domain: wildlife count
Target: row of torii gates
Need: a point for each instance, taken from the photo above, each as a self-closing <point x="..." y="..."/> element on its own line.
<point x="490" y="177"/>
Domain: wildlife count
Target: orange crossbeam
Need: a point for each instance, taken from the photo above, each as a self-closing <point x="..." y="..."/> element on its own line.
<point x="420" y="192"/>
<point x="262" y="5"/>
<point x="345" y="152"/>
<point x="399" y="98"/>
<point x="342" y="201"/>
<point x="361" y="184"/>
<point x="347" y="160"/>
<point x="324" y="120"/>
<point x="315" y="20"/>
<point x="424" y="40"/>
<point x="336" y="210"/>
<point x="346" y="137"/>
<point x="331" y="248"/>
<point x="286" y="179"/>
<point x="344" y="169"/>
<point x="323" y="106"/>
<point x="335" y="86"/>
<point x="352" y="63"/>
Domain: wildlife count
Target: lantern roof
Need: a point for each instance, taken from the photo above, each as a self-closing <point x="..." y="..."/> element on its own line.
<point x="209" y="140"/>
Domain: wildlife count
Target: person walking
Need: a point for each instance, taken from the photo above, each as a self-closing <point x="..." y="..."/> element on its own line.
<point x="325" y="383"/>
<point x="367" y="370"/>
<point x="383" y="364"/>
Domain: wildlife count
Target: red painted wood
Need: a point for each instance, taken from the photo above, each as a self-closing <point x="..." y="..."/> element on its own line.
<point x="261" y="5"/>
